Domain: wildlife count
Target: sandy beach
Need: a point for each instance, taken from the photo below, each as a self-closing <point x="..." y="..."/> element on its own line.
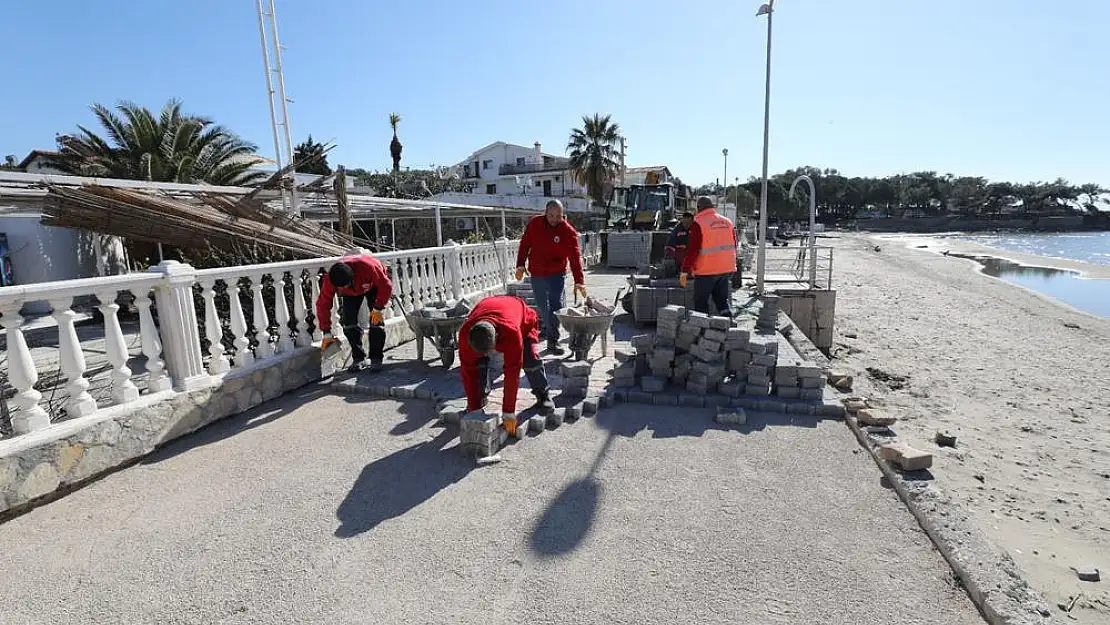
<point x="1023" y="382"/>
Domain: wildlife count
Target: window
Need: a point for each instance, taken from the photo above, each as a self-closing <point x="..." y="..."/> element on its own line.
<point x="558" y="178"/>
<point x="485" y="164"/>
<point x="539" y="184"/>
<point x="520" y="161"/>
<point x="466" y="171"/>
<point x="491" y="189"/>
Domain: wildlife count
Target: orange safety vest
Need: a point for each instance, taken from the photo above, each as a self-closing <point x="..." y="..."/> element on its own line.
<point x="718" y="245"/>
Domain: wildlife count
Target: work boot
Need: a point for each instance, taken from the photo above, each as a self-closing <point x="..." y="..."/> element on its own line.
<point x="376" y="366"/>
<point x="553" y="347"/>
<point x="544" y="404"/>
<point x="357" y="366"/>
<point x="510" y="425"/>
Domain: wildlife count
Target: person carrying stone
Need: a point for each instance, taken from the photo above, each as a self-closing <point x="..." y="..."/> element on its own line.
<point x="356" y="278"/>
<point x="548" y="244"/>
<point x="506" y="324"/>
<point x="678" y="240"/>
<point x="711" y="258"/>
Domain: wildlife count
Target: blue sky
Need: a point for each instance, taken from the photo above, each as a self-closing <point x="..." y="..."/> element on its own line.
<point x="1008" y="89"/>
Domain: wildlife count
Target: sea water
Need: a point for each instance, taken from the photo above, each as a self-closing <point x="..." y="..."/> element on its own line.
<point x="1089" y="295"/>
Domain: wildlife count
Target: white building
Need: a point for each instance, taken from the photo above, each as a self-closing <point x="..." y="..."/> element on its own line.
<point x="506" y="169"/>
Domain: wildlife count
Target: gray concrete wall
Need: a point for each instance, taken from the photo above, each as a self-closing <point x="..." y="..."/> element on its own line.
<point x="813" y="311"/>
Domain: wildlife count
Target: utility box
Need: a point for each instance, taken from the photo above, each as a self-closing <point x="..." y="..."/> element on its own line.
<point x="813" y="311"/>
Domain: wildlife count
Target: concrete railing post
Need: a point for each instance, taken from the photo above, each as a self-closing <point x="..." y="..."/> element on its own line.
<point x="454" y="261"/>
<point x="177" y="318"/>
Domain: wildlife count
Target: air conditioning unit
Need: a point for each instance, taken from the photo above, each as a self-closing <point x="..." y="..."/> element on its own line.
<point x="464" y="223"/>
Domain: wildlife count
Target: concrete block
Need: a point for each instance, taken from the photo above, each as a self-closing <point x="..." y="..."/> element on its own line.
<point x="710" y="347"/>
<point x="747" y="403"/>
<point x="577" y="369"/>
<point x="701" y="388"/>
<point x="731" y="416"/>
<point x="813" y="394"/>
<point x="652" y="384"/>
<point x="624" y="354"/>
<point x="771" y="405"/>
<point x="698" y="320"/>
<point x="760" y="380"/>
<point x="757" y="390"/>
<point x="620" y="395"/>
<point x="873" y="416"/>
<point x="624" y="383"/>
<point x="701" y="377"/>
<point x="665" y="353"/>
<point x="783" y="380"/>
<point x="720" y="323"/>
<point x="830" y="409"/>
<point x="642" y="342"/>
<point x="755" y="347"/>
<point x="905" y="456"/>
<point x="811" y="382"/>
<point x="693" y="400"/>
<point x="809" y="371"/>
<point x="731" y="388"/>
<point x="717" y="401"/>
<point x="575" y="392"/>
<point x="755" y="370"/>
<point x="639" y="397"/>
<point x="789" y="392"/>
<point x="665" y="399"/>
<point x="737" y="334"/>
<point x="715" y="335"/>
<point x="764" y="360"/>
<point x="572" y="413"/>
<point x="801" y="409"/>
<point x="684" y="343"/>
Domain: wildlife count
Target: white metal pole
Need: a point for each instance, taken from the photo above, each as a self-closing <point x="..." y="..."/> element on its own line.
<point x="761" y="263"/>
<point x="725" y="179"/>
<point x="504" y="227"/>
<point x="284" y="106"/>
<point x="270" y="91"/>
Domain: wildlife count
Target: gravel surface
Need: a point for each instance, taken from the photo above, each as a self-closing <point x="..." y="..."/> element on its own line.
<point x="333" y="510"/>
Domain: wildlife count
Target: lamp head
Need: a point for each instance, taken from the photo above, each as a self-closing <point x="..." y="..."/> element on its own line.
<point x="764" y="10"/>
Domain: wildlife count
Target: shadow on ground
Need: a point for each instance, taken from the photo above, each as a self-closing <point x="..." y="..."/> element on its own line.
<point x="391" y="486"/>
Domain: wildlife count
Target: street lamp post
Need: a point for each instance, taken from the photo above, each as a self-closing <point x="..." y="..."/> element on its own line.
<point x="761" y="262"/>
<point x="725" y="179"/>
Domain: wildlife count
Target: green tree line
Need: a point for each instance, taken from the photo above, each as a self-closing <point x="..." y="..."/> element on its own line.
<point x="918" y="194"/>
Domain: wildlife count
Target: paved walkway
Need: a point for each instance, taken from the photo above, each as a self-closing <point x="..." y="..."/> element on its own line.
<point x="318" y="508"/>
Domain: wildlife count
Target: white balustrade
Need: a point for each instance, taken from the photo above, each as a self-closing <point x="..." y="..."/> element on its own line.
<point x="172" y="344"/>
<point x="281" y="312"/>
<point x="156" y="380"/>
<point x="27" y="414"/>
<point x="123" y="389"/>
<point x="213" y="330"/>
<point x="79" y="402"/>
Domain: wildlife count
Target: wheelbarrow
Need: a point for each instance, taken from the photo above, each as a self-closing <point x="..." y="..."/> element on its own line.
<point x="443" y="332"/>
<point x="585" y="330"/>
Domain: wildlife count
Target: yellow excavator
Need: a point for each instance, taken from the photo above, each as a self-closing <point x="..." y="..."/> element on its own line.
<point x="654" y="205"/>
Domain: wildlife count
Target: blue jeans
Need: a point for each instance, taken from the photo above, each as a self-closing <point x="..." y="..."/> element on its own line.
<point x="549" y="298"/>
<point x="719" y="288"/>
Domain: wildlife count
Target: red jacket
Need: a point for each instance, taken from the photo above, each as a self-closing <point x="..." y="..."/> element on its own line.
<point x="514" y="321"/>
<point x="370" y="274"/>
<point x="548" y="248"/>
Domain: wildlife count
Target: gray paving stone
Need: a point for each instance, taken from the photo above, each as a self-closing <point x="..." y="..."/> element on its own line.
<point x="813" y="394"/>
<point x="799" y="408"/>
<point x="624" y="354"/>
<point x="764" y="360"/>
<point x="731" y="416"/>
<point x="693" y="400"/>
<point x="590" y="405"/>
<point x="808" y="383"/>
<point x="665" y="399"/>
<point x="575" y="369"/>
<point x="639" y="397"/>
<point x="754" y="389"/>
<point x="720" y="323"/>
<point x="789" y="392"/>
<point x="652" y="384"/>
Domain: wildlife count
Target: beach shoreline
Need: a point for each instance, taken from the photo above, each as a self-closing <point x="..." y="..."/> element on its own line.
<point x="1011" y="372"/>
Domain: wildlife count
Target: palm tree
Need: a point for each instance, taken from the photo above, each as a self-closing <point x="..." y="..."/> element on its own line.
<point x="172" y="147"/>
<point x="310" y="158"/>
<point x="395" y="146"/>
<point x="594" y="156"/>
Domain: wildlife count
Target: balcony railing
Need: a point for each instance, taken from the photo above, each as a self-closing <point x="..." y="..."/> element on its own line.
<point x="510" y="170"/>
<point x="194" y="326"/>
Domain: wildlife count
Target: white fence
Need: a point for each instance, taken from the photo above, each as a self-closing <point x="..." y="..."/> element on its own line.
<point x="536" y="202"/>
<point x="244" y="321"/>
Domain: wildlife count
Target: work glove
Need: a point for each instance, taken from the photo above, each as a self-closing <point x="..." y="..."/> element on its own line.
<point x="508" y="419"/>
<point x="520" y="271"/>
<point x="682" y="277"/>
<point x="328" y="341"/>
<point x="376" y="317"/>
<point x="580" y="290"/>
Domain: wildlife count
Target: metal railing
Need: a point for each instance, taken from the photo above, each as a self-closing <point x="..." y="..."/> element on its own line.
<point x="804" y="265"/>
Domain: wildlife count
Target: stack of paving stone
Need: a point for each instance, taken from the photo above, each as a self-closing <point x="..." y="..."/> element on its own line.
<point x="445" y="309"/>
<point x="797" y="378"/>
<point x="480" y="434"/>
<point x="576" y="378"/>
<point x="768" y="313"/>
<point x="523" y="290"/>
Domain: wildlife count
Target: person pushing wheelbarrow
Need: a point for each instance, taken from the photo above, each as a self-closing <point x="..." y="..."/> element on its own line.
<point x="506" y="324"/>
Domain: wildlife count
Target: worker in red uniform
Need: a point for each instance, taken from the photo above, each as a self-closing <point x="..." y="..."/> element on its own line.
<point x="548" y="244"/>
<point x="506" y="324"/>
<point x="357" y="278"/>
<point x="711" y="257"/>
<point x="678" y="240"/>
